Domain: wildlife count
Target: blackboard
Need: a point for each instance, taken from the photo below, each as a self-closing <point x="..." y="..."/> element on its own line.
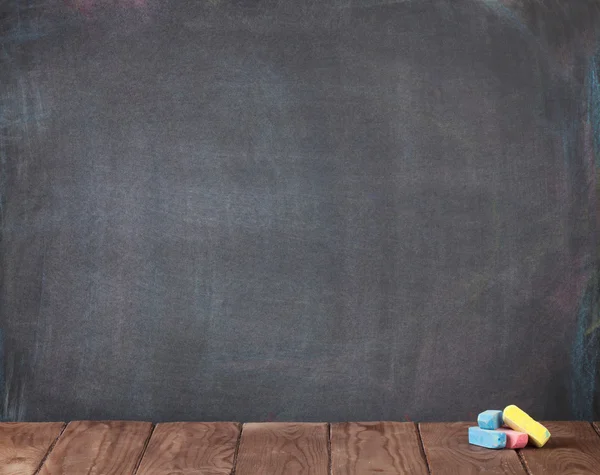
<point x="279" y="210"/>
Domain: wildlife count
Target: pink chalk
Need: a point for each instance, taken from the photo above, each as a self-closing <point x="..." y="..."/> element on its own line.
<point x="514" y="439"/>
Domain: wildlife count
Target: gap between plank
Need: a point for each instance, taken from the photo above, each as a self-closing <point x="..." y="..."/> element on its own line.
<point x="51" y="448"/>
<point x="596" y="428"/>
<point x="523" y="461"/>
<point x="139" y="462"/>
<point x="237" y="450"/>
<point x="329" y="461"/>
<point x="422" y="446"/>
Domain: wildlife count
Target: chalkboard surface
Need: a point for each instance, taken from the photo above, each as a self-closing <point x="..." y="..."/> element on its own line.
<point x="281" y="210"/>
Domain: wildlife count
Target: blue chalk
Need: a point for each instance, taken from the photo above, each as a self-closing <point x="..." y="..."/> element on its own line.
<point x="491" y="439"/>
<point x="490" y="419"/>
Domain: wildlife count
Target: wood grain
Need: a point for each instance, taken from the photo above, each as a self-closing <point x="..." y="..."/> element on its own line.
<point x="573" y="448"/>
<point x="376" y="447"/>
<point x="283" y="448"/>
<point x="23" y="446"/>
<point x="448" y="452"/>
<point x="191" y="448"/>
<point x="98" y="448"/>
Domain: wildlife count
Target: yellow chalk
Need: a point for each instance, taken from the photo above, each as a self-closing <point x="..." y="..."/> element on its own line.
<point x="520" y="421"/>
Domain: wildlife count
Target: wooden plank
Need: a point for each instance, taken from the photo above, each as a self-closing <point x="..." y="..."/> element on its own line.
<point x="191" y="447"/>
<point x="283" y="448"/>
<point x="573" y="448"/>
<point x="448" y="452"/>
<point x="597" y="424"/>
<point x="376" y="447"/>
<point x="98" y="448"/>
<point x="23" y="446"/>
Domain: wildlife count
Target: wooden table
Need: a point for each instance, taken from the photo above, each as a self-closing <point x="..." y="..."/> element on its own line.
<point x="186" y="448"/>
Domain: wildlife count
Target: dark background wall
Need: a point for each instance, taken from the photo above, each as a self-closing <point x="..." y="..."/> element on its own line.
<point x="322" y="210"/>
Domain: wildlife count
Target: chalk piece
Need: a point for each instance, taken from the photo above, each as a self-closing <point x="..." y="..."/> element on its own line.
<point x="490" y="419"/>
<point x="520" y="421"/>
<point x="491" y="439"/>
<point x="514" y="439"/>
